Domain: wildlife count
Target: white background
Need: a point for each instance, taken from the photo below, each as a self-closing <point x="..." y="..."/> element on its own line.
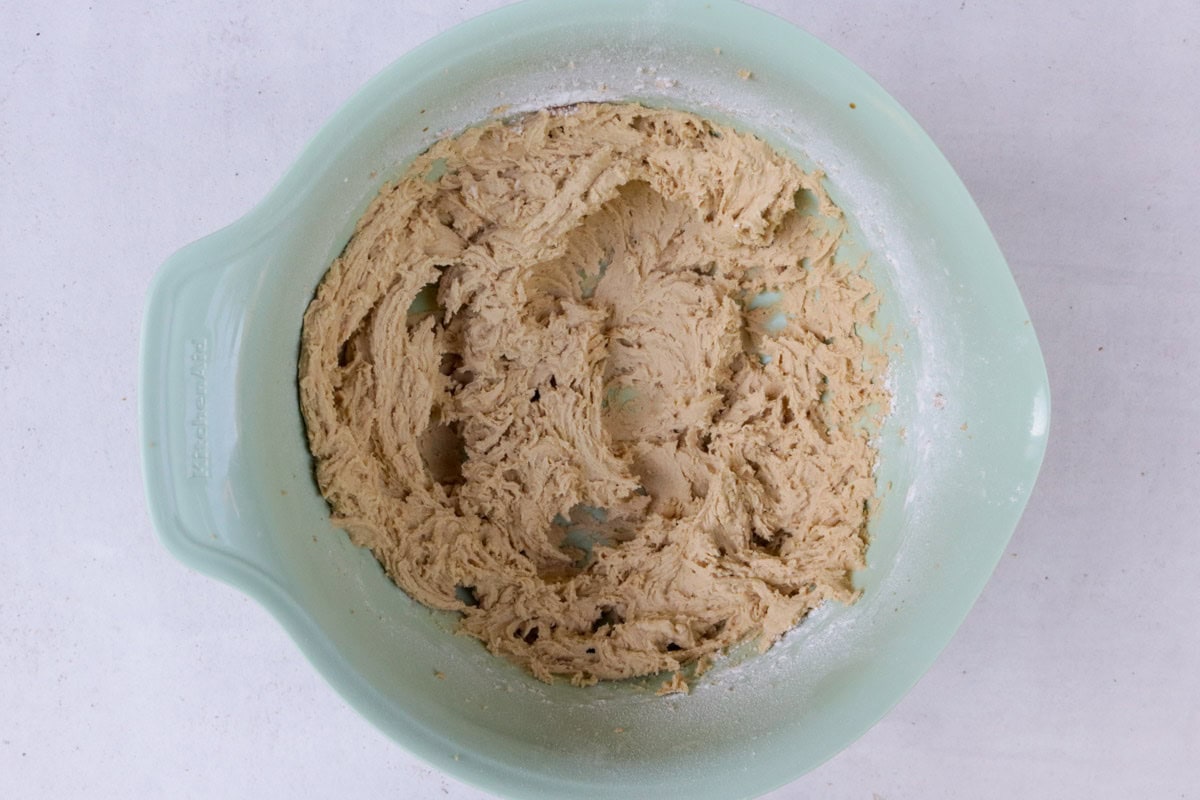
<point x="128" y="130"/>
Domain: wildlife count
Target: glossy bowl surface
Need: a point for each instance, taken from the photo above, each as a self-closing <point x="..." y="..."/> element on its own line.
<point x="229" y="478"/>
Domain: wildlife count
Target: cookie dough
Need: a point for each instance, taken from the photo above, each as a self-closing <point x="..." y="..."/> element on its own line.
<point x="591" y="378"/>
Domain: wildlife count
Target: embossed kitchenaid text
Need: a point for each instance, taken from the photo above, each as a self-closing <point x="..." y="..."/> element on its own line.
<point x="197" y="423"/>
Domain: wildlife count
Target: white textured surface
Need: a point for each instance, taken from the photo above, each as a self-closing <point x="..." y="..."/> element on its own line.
<point x="126" y="132"/>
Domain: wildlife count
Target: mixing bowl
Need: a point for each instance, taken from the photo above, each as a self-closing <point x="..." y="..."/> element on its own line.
<point x="229" y="477"/>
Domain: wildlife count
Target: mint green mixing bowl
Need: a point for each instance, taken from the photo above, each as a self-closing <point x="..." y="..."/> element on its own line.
<point x="228" y="473"/>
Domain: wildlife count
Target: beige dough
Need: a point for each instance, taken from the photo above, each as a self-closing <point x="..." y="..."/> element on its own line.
<point x="629" y="433"/>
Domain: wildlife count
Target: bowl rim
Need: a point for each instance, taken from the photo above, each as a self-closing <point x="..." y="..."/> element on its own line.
<point x="271" y="215"/>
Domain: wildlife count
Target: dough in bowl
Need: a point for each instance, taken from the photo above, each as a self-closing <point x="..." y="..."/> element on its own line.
<point x="593" y="378"/>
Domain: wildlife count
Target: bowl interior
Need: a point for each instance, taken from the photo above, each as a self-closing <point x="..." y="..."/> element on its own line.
<point x="959" y="453"/>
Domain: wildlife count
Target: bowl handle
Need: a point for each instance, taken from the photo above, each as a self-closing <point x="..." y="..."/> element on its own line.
<point x="195" y="314"/>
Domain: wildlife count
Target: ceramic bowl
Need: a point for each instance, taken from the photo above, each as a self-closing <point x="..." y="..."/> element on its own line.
<point x="229" y="475"/>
